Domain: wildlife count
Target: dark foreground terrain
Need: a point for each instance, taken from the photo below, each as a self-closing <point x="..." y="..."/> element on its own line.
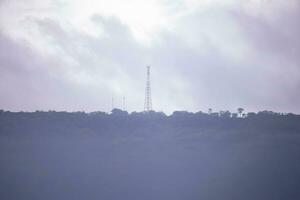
<point x="149" y="156"/>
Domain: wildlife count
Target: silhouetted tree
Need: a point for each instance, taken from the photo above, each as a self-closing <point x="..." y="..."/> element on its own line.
<point x="119" y="112"/>
<point x="240" y="111"/>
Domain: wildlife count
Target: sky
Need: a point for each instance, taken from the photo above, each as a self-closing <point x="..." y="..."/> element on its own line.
<point x="75" y="55"/>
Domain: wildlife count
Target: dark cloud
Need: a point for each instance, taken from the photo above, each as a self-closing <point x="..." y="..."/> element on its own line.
<point x="277" y="49"/>
<point x="113" y="63"/>
<point x="261" y="79"/>
<point x="30" y="81"/>
<point x="276" y="37"/>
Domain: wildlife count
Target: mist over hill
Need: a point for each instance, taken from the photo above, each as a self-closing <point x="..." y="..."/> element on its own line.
<point x="211" y="156"/>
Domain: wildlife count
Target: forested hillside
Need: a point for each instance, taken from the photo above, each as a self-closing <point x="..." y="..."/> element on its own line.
<point x="149" y="156"/>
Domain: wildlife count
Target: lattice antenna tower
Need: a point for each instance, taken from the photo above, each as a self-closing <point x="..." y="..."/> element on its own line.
<point x="148" y="100"/>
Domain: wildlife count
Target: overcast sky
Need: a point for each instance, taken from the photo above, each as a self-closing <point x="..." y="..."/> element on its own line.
<point x="221" y="54"/>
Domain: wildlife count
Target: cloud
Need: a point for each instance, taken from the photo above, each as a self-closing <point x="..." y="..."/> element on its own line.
<point x="30" y="81"/>
<point x="229" y="67"/>
<point x="215" y="55"/>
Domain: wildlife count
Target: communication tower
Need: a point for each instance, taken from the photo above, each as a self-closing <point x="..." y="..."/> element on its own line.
<point x="148" y="100"/>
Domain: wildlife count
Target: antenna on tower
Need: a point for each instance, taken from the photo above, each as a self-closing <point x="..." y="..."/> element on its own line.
<point x="112" y="103"/>
<point x="148" y="100"/>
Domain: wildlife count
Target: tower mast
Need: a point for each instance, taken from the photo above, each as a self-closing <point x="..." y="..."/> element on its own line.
<point x="148" y="100"/>
<point x="112" y="103"/>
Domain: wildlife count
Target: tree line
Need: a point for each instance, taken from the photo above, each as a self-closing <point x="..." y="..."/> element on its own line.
<point x="122" y="121"/>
